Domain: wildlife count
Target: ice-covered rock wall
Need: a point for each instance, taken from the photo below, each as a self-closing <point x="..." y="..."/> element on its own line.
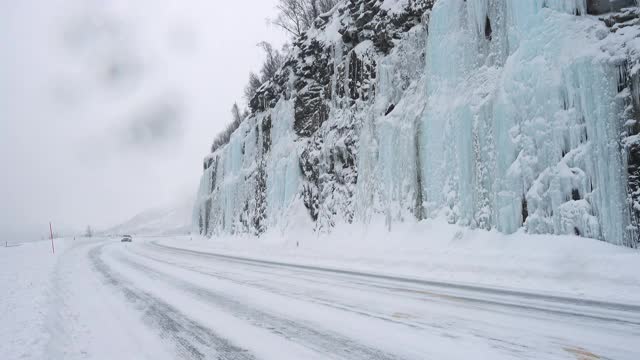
<point x="502" y="114"/>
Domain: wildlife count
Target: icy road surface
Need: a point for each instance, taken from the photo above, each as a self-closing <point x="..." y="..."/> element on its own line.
<point x="146" y="300"/>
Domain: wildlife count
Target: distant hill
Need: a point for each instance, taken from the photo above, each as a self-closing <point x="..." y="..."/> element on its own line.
<point x="172" y="219"/>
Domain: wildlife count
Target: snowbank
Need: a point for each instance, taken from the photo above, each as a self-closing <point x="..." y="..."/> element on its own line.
<point x="435" y="250"/>
<point x="26" y="286"/>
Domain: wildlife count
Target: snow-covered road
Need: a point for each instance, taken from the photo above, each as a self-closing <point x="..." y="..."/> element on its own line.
<point x="149" y="300"/>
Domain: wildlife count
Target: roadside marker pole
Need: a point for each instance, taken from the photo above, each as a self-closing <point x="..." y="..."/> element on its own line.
<point x="53" y="249"/>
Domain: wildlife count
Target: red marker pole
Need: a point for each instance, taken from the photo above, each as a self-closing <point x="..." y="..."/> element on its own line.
<point x="53" y="249"/>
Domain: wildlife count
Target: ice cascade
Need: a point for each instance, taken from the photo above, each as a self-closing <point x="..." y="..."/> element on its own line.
<point x="503" y="114"/>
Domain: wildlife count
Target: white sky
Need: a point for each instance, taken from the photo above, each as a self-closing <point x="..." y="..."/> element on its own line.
<point x="107" y="107"/>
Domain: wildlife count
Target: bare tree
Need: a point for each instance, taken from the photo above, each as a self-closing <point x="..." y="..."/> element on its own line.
<point x="296" y="16"/>
<point x="235" y="113"/>
<point x="88" y="232"/>
<point x="272" y="63"/>
<point x="252" y="87"/>
<point x="291" y="17"/>
<point x="224" y="137"/>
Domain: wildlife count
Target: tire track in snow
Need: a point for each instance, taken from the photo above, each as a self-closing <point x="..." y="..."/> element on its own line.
<point x="626" y="314"/>
<point x="331" y="303"/>
<point x="330" y="344"/>
<point x="192" y="340"/>
<point x="515" y="348"/>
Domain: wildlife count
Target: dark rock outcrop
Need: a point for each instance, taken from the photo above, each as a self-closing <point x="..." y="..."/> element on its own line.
<point x="598" y="7"/>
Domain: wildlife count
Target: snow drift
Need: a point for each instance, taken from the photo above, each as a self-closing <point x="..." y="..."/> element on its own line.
<point x="492" y="114"/>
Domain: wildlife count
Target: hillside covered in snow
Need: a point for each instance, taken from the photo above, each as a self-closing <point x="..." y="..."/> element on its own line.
<point x="491" y="114"/>
<point x="173" y="218"/>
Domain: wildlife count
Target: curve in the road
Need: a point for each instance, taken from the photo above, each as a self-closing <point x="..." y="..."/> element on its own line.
<point x="324" y="341"/>
<point x="192" y="340"/>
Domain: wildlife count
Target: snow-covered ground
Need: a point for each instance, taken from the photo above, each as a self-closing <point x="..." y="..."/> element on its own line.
<point x="450" y="294"/>
<point x="56" y="307"/>
<point x="435" y="250"/>
<point x="25" y="282"/>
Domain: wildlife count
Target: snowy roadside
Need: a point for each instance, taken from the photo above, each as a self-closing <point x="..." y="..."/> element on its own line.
<point x="434" y="250"/>
<point x="25" y="281"/>
<point x="57" y="307"/>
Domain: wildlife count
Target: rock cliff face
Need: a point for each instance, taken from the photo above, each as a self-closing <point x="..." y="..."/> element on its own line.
<point x="502" y="114"/>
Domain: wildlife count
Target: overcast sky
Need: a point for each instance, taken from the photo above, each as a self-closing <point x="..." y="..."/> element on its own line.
<point x="107" y="107"/>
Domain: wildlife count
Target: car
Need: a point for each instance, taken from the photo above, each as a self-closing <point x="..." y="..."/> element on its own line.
<point x="126" y="238"/>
